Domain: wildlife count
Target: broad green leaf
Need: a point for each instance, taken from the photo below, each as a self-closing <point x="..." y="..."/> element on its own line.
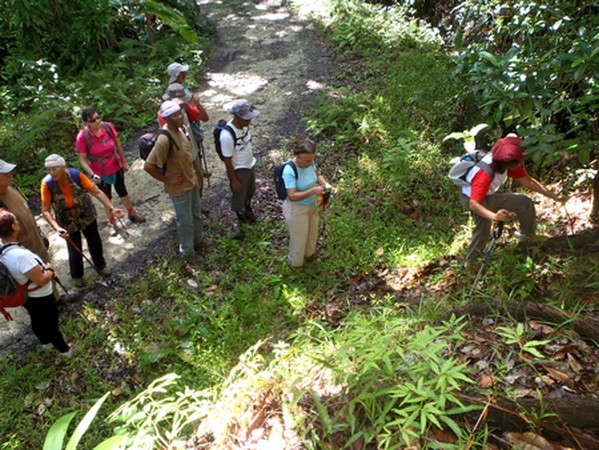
<point x="56" y="434"/>
<point x="112" y="443"/>
<point x="84" y="424"/>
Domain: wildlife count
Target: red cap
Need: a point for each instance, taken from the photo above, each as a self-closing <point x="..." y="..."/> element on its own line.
<point x="508" y="149"/>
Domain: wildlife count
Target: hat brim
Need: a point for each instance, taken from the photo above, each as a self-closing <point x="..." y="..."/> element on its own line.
<point x="250" y="115"/>
<point x="7" y="168"/>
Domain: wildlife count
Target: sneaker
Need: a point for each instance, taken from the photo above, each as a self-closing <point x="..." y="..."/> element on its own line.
<point x="112" y="230"/>
<point x="105" y="272"/>
<point x="311" y="258"/>
<point x="78" y="282"/>
<point x="45" y="346"/>
<point x="68" y="353"/>
<point x="192" y="258"/>
<point x="471" y="265"/>
<point x="136" y="218"/>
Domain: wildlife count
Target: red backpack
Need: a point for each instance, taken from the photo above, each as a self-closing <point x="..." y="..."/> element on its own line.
<point x="12" y="293"/>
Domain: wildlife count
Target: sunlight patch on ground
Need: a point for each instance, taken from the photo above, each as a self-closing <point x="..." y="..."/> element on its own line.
<point x="234" y="85"/>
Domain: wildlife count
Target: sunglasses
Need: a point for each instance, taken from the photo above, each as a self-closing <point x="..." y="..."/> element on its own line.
<point x="94" y="119"/>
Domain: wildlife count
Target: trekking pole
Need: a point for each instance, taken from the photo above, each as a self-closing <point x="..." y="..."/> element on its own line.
<point x="207" y="173"/>
<point x="496" y="235"/>
<point x="70" y="241"/>
<point x="55" y="278"/>
<point x="122" y="225"/>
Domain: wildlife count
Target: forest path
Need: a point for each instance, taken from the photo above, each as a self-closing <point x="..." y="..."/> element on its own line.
<point x="267" y="55"/>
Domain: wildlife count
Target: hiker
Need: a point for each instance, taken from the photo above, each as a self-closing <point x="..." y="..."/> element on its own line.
<point x="239" y="161"/>
<point x="102" y="159"/>
<point x="300" y="208"/>
<point x="481" y="197"/>
<point x="67" y="192"/>
<point x="181" y="179"/>
<point x="27" y="268"/>
<point x="12" y="199"/>
<point x="177" y="76"/>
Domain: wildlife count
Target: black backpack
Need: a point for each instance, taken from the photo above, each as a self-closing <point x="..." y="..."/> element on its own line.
<point x="146" y="143"/>
<point x="218" y="129"/>
<point x="278" y="177"/>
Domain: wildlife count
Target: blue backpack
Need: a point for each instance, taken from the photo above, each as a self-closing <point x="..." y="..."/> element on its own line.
<point x="278" y="178"/>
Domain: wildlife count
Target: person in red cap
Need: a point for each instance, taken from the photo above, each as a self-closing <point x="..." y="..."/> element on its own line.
<point x="487" y="205"/>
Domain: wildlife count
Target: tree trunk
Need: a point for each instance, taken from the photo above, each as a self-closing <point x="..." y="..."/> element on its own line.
<point x="586" y="327"/>
<point x="572" y="417"/>
<point x="594" y="218"/>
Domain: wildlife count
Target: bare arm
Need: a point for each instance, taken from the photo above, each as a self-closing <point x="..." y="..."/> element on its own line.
<point x="101" y="196"/>
<point x="39" y="276"/>
<point x="232" y="175"/>
<point x="119" y="149"/>
<point x="500" y="216"/>
<point x="532" y="184"/>
<point x="195" y="101"/>
<point x="156" y="172"/>
<point x="47" y="213"/>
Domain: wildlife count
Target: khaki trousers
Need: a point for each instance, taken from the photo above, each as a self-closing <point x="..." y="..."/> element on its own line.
<point x="302" y="223"/>
<point x="521" y="204"/>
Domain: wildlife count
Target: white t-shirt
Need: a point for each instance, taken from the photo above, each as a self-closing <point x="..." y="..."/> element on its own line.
<point x="243" y="153"/>
<point x="19" y="261"/>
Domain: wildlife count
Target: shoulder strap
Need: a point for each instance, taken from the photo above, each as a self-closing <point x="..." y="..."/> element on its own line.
<point x="88" y="136"/>
<point x="49" y="181"/>
<point x="75" y="175"/>
<point x="171" y="140"/>
<point x="230" y="129"/>
<point x="487" y="168"/>
<point x="294" y="167"/>
<point x="10" y="244"/>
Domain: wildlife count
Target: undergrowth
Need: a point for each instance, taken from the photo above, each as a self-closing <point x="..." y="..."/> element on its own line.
<point x="332" y="363"/>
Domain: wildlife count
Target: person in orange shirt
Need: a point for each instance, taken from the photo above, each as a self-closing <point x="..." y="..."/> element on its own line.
<point x="67" y="193"/>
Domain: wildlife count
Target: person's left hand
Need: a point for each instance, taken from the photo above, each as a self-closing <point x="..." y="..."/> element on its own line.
<point x="118" y="212"/>
<point x="125" y="166"/>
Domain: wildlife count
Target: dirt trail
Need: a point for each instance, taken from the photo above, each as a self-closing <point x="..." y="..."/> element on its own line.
<point x="266" y="55"/>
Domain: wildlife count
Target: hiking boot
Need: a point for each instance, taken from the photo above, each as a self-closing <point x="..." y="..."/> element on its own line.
<point x="311" y="258"/>
<point x="238" y="234"/>
<point x="201" y="246"/>
<point x="136" y="218"/>
<point x="105" y="271"/>
<point x="112" y="229"/>
<point x="250" y="217"/>
<point x="192" y="258"/>
<point x="78" y="282"/>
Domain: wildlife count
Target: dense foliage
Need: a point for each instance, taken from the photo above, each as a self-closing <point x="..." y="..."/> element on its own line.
<point x="55" y="61"/>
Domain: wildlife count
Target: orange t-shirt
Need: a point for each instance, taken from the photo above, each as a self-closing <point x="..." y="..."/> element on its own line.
<point x="65" y="187"/>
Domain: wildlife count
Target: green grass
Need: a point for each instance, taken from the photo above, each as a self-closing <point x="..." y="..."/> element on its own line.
<point x="244" y="325"/>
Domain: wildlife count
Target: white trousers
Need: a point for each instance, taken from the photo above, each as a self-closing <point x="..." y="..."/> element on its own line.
<point x="302" y="223"/>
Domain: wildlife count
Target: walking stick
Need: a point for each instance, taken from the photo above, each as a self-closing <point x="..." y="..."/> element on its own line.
<point x="55" y="278"/>
<point x="122" y="225"/>
<point x="207" y="173"/>
<point x="496" y="235"/>
<point x="70" y="241"/>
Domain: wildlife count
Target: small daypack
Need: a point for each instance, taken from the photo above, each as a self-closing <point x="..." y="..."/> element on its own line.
<point x="75" y="176"/>
<point x="218" y="129"/>
<point x="278" y="178"/>
<point x="461" y="166"/>
<point x="146" y="143"/>
<point x="12" y="293"/>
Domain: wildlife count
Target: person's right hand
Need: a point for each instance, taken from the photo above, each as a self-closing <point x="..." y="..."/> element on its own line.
<point x="174" y="179"/>
<point x="62" y="233"/>
<point x="96" y="178"/>
<point x="236" y="185"/>
<point x="503" y="215"/>
<point x="318" y="190"/>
